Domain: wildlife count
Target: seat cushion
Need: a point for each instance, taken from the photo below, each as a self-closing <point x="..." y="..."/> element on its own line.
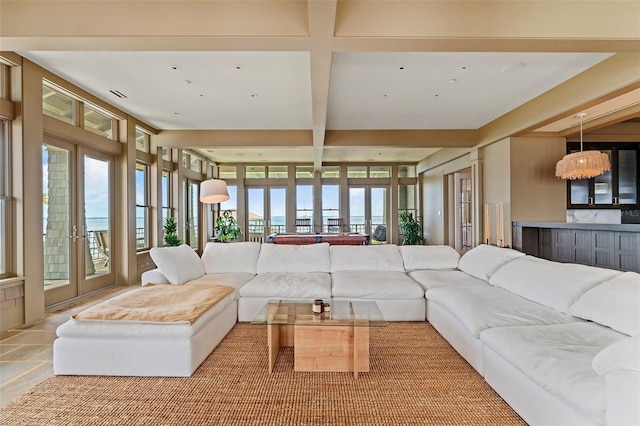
<point x="482" y="261"/>
<point x="429" y="257"/>
<point x="293" y="258"/>
<point x="310" y="285"/>
<point x="374" y="285"/>
<point x="479" y="307"/>
<point x="558" y="358"/>
<point x="384" y="257"/>
<point x="235" y="280"/>
<point x="553" y="284"/>
<point x="431" y="278"/>
<point x="221" y="258"/>
<point x="614" y="303"/>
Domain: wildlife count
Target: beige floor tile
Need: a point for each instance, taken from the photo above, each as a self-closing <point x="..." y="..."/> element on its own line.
<point x="18" y="386"/>
<point x="32" y="337"/>
<point x="9" y="370"/>
<point x="25" y="352"/>
<point x="9" y="333"/>
<point x="7" y="348"/>
<point x="44" y="356"/>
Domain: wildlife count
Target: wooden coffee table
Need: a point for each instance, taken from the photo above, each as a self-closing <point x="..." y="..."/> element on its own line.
<point x="335" y="341"/>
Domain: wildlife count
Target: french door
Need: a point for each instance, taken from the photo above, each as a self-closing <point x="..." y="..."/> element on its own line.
<point x="369" y="211"/>
<point x="267" y="212"/>
<point x="77" y="198"/>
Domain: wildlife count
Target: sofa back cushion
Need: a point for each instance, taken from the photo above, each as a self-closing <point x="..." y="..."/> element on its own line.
<point x="178" y="264"/>
<point x="429" y="257"/>
<point x="384" y="257"/>
<point x="223" y="258"/>
<point x="553" y="284"/>
<point x="293" y="258"/>
<point x="614" y="303"/>
<point x="482" y="261"/>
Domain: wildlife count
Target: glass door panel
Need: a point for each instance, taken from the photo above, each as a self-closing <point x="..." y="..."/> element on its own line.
<point x="60" y="232"/>
<point x="603" y="189"/>
<point x="256" y="214"/>
<point x="627" y="176"/>
<point x="378" y="218"/>
<point x="96" y="218"/>
<point x="192" y="214"/>
<point x="277" y="210"/>
<point x="357" y="213"/>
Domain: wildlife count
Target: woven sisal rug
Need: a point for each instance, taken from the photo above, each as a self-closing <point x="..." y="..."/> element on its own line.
<point x="416" y="378"/>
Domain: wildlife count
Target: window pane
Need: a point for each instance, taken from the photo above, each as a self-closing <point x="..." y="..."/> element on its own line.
<point x="407" y="171"/>
<point x="406" y="197"/>
<point x="579" y="191"/>
<point x="330" y="203"/>
<point x="141" y="184"/>
<point x="357" y="171"/>
<point x="278" y="210"/>
<point x="304" y="206"/>
<point x="142" y="141"/>
<point x="232" y="202"/>
<point x="304" y="171"/>
<point x="330" y="171"/>
<point x="166" y="189"/>
<point x="356" y="209"/>
<point x="166" y="154"/>
<point x="227" y="172"/>
<point x="58" y="105"/>
<point x="602" y="188"/>
<point x="142" y="209"/>
<point x="379" y="171"/>
<point x="278" y="172"/>
<point x="97" y="122"/>
<point x="195" y="164"/>
<point x="255" y="172"/>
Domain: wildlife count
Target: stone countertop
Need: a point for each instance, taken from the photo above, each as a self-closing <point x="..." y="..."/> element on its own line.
<point x="587" y="226"/>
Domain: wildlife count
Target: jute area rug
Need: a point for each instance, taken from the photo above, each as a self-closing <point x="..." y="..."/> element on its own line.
<point x="416" y="378"/>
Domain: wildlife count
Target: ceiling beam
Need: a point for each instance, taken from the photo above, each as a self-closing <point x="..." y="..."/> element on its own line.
<point x="402" y="138"/>
<point x="322" y="16"/>
<point x="233" y="138"/>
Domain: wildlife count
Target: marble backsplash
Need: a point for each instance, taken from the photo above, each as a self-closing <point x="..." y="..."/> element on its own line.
<point x="594" y="216"/>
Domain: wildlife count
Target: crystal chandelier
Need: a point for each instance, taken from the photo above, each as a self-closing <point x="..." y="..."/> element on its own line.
<point x="583" y="164"/>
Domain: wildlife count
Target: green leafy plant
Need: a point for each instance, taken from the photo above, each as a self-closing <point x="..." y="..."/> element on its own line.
<point x="411" y="229"/>
<point x="227" y="228"/>
<point x="171" y="238"/>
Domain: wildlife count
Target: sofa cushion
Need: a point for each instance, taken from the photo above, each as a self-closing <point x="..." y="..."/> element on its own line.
<point x="553" y="284"/>
<point x="235" y="279"/>
<point x="222" y="258"/>
<point x="558" y="358"/>
<point x="433" y="278"/>
<point x="621" y="355"/>
<point x="178" y="264"/>
<point x="374" y="285"/>
<point x="482" y="261"/>
<point x="479" y="307"/>
<point x="307" y="285"/>
<point x="429" y="257"/>
<point x="384" y="257"/>
<point x="293" y="258"/>
<point x="614" y="303"/>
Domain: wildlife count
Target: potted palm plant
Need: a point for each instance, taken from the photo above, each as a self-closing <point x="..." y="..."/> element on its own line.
<point x="410" y="228"/>
<point x="171" y="238"/>
<point x="227" y="228"/>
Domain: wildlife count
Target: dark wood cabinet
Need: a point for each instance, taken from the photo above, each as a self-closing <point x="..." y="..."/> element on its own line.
<point x="605" y="246"/>
<point x="617" y="188"/>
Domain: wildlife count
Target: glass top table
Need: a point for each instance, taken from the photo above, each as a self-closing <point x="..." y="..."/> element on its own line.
<point x="330" y="341"/>
<point x="358" y="313"/>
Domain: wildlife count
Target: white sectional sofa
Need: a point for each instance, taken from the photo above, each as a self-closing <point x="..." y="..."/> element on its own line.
<point x="559" y="342"/>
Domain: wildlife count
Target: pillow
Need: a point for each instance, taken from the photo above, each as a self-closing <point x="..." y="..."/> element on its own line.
<point x="482" y="261"/>
<point x="178" y="264"/>
<point x="621" y="355"/>
<point x="224" y="258"/>
<point x="384" y="257"/>
<point x="293" y="258"/>
<point x="614" y="303"/>
<point x="429" y="257"/>
<point x="553" y="284"/>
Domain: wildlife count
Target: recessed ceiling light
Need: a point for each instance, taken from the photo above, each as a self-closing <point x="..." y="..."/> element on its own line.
<point x="514" y="67"/>
<point x="385" y="95"/>
<point x="187" y="82"/>
<point x="401" y="68"/>
<point x="436" y="95"/>
<point x="238" y="67"/>
<point x="452" y="80"/>
<point x="465" y="67"/>
<point x="175" y="68"/>
<point x="201" y="95"/>
<point x="253" y="95"/>
<point x="176" y="113"/>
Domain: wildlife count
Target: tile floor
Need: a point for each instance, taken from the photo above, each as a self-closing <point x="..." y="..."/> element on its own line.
<point x="26" y="354"/>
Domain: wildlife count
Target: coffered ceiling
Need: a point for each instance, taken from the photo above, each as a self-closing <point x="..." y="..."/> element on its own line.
<point x="325" y="81"/>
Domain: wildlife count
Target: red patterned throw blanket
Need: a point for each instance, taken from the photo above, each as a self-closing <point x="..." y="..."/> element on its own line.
<point x="158" y="303"/>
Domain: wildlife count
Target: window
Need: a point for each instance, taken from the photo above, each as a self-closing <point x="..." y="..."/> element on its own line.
<point x="142" y="140"/>
<point x="98" y="122"/>
<point x="227" y="172"/>
<point x="166" y="202"/>
<point x="166" y="154"/>
<point x="255" y="172"/>
<point x="232" y="202"/>
<point x="304" y="204"/>
<point x="58" y="105"/>
<point x="330" y="172"/>
<point x="278" y="172"/>
<point x="356" y="172"/>
<point x="407" y="199"/>
<point x="405" y="171"/>
<point x="303" y="172"/>
<point x="330" y="203"/>
<point x="379" y="172"/>
<point x="142" y="206"/>
<point x="5" y="200"/>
